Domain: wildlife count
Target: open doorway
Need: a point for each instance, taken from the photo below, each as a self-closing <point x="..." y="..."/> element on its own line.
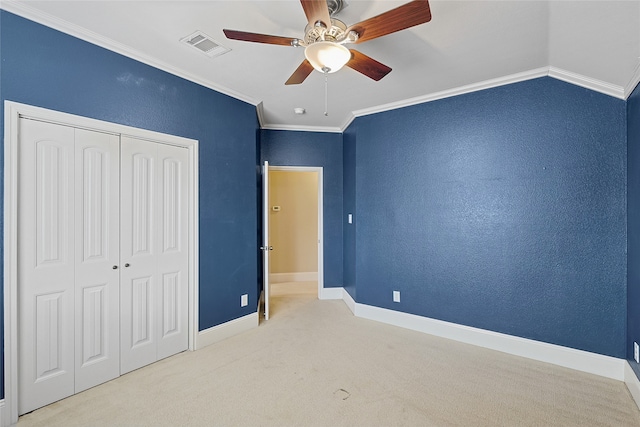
<point x="295" y="230"/>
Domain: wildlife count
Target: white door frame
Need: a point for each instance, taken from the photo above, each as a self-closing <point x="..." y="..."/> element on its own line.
<point x="319" y="170"/>
<point x="12" y="113"/>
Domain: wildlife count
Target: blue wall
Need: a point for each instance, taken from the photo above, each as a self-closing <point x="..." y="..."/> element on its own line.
<point x="49" y="69"/>
<point x="349" y="195"/>
<point x="286" y="148"/>
<point x="503" y="209"/>
<point x="633" y="226"/>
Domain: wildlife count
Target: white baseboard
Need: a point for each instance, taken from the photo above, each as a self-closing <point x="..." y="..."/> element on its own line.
<point x="348" y="299"/>
<point x="580" y="360"/>
<point x="305" y="276"/>
<point x="632" y="382"/>
<point x="226" y="330"/>
<point x="331" y="293"/>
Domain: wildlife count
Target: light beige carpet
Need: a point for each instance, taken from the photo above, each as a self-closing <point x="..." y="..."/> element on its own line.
<point x="315" y="364"/>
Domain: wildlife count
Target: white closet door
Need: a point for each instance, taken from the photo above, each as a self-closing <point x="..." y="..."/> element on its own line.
<point x="173" y="253"/>
<point x="45" y="264"/>
<point x="139" y="249"/>
<point x="154" y="252"/>
<point x="97" y="279"/>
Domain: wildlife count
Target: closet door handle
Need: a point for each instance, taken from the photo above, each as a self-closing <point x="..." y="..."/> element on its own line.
<point x="126" y="265"/>
<point x="115" y="267"/>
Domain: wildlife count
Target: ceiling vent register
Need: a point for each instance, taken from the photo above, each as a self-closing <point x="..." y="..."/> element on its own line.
<point x="205" y="44"/>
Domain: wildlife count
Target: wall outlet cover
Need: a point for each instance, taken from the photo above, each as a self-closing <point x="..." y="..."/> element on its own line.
<point x="244" y="300"/>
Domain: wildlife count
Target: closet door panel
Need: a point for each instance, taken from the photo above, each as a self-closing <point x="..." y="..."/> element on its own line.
<point x="97" y="213"/>
<point x="45" y="264"/>
<point x="173" y="254"/>
<point x="139" y="243"/>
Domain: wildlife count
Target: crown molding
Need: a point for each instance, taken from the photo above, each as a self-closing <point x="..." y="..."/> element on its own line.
<point x="260" y="114"/>
<point x="633" y="82"/>
<point x="24" y="10"/>
<point x="553" y="72"/>
<point x="296" y="128"/>
<point x="587" y="82"/>
<point x="474" y="87"/>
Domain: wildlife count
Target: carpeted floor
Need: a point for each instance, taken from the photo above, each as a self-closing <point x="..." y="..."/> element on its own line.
<point x="315" y="364"/>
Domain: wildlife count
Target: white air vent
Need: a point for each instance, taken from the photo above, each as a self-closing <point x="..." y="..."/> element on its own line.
<point x="205" y="44"/>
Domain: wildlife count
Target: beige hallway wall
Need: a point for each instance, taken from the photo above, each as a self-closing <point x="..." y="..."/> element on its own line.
<point x="293" y="230"/>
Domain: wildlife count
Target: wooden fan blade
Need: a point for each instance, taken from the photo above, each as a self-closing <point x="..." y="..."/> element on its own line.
<point x="258" y="38"/>
<point x="408" y="15"/>
<point x="367" y="66"/>
<point x="301" y="73"/>
<point x="316" y="10"/>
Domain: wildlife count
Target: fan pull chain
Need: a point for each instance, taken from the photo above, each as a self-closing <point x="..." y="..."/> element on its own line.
<point x="326" y="90"/>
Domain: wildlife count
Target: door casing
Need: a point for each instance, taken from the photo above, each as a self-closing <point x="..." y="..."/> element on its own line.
<point x="13" y="112"/>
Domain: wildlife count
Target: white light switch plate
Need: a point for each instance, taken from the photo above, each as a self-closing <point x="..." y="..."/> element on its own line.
<point x="244" y="300"/>
<point x="396" y="296"/>
<point x="636" y="352"/>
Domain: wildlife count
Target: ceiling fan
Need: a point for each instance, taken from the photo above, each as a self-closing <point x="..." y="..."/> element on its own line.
<point x="325" y="37"/>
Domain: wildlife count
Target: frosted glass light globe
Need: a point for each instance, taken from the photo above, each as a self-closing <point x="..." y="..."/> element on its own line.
<point x="329" y="55"/>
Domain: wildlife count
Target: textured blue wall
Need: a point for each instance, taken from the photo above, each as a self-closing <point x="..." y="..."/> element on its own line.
<point x="286" y="148"/>
<point x="46" y="68"/>
<point x="503" y="209"/>
<point x="633" y="226"/>
<point x="349" y="195"/>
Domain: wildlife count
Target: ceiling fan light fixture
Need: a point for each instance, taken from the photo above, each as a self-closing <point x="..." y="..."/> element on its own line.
<point x="327" y="56"/>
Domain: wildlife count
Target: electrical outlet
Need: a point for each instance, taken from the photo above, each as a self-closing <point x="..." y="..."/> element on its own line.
<point x="636" y="352"/>
<point x="244" y="300"/>
<point x="396" y="296"/>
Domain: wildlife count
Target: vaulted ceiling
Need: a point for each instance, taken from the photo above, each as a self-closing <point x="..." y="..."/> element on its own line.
<point x="467" y="46"/>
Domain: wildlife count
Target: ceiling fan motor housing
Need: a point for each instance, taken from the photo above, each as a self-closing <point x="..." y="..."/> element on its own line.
<point x="336" y="33"/>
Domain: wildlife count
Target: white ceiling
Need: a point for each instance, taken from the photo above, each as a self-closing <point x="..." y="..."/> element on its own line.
<point x="468" y="45"/>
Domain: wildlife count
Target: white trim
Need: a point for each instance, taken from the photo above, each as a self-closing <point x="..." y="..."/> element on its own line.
<point x="320" y="171"/>
<point x="194" y="243"/>
<point x="632" y="382"/>
<point x="226" y="330"/>
<point x="351" y="303"/>
<point x="2" y="413"/>
<point x="33" y="14"/>
<point x="13" y="111"/>
<point x="10" y="226"/>
<point x="587" y="82"/>
<point x="580" y="360"/>
<point x="260" y="113"/>
<point x="295" y="128"/>
<point x="474" y="87"/>
<point x="331" y="293"/>
<point x="635" y="79"/>
<point x="306" y="276"/>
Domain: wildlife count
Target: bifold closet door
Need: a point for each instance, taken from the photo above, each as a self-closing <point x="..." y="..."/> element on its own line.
<point x="67" y="287"/>
<point x="97" y="245"/>
<point x="154" y="252"/>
